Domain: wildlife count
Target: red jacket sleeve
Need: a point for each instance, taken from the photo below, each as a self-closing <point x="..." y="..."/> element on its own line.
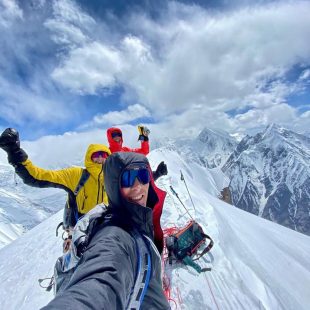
<point x="145" y="148"/>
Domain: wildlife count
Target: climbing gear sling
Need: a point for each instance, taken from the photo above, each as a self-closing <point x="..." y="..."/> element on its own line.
<point x="71" y="215"/>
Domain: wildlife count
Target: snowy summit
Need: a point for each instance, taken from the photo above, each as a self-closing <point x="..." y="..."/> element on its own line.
<point x="256" y="264"/>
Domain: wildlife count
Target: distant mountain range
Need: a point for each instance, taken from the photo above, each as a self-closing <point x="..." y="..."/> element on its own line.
<point x="270" y="177"/>
<point x="268" y="174"/>
<point x="211" y="148"/>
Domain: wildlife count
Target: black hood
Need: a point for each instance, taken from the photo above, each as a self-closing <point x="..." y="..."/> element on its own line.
<point x="113" y="168"/>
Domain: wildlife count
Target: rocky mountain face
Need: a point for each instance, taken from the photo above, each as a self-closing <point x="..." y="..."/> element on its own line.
<point x="215" y="146"/>
<point x="270" y="177"/>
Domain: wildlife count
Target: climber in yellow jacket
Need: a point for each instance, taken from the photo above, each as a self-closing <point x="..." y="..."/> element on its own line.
<point x="85" y="187"/>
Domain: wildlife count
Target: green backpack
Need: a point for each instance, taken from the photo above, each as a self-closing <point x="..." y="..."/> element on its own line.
<point x="183" y="245"/>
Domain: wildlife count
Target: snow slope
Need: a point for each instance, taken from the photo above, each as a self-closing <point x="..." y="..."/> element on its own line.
<point x="23" y="207"/>
<point x="256" y="264"/>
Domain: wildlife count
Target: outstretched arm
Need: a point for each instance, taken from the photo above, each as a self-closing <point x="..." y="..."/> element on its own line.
<point x="144" y="149"/>
<point x="105" y="276"/>
<point x="31" y="174"/>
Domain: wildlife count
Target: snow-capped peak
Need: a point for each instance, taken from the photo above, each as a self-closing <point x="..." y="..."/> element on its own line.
<point x="270" y="176"/>
<point x="210" y="148"/>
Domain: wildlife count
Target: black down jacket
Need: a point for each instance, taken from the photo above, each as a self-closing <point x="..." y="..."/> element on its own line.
<point x="106" y="273"/>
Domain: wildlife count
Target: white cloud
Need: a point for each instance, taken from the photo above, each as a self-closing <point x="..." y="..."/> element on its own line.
<point x="305" y="75"/>
<point x="225" y="58"/>
<point x="89" y="68"/>
<point x="306" y="115"/>
<point x="191" y="122"/>
<point x="9" y="12"/>
<point x="24" y="105"/>
<point x="282" y="114"/>
<point x="69" y="24"/>
<point x="69" y="11"/>
<point x="61" y="151"/>
<point x="69" y="34"/>
<point x="301" y="124"/>
<point x="186" y="69"/>
<point x="136" y="50"/>
<point x="211" y="60"/>
<point x="132" y="113"/>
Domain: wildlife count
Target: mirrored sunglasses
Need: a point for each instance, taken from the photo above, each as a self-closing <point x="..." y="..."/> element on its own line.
<point x="98" y="154"/>
<point x="129" y="176"/>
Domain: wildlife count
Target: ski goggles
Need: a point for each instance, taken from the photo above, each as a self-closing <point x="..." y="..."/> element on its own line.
<point x="98" y="154"/>
<point x="115" y="134"/>
<point x="129" y="176"/>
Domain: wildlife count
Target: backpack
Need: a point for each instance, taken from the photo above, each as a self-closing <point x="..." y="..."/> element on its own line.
<point x="82" y="233"/>
<point x="71" y="215"/>
<point x="184" y="243"/>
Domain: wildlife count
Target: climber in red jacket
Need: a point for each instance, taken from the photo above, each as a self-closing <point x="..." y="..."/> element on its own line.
<point x="115" y="139"/>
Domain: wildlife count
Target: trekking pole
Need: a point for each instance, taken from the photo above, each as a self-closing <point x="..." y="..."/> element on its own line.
<point x="183" y="179"/>
<point x="176" y="194"/>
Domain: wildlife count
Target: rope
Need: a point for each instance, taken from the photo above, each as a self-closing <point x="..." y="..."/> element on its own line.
<point x="211" y="292"/>
<point x="179" y="296"/>
<point x="166" y="279"/>
<point x="169" y="231"/>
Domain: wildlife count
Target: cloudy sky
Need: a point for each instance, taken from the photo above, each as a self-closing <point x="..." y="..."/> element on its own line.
<point x="177" y="66"/>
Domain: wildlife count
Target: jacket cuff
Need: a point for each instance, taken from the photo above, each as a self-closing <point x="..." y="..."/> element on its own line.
<point x="143" y="138"/>
<point x="17" y="156"/>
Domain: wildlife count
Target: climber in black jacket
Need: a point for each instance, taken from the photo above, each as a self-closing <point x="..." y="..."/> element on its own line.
<point x="105" y="275"/>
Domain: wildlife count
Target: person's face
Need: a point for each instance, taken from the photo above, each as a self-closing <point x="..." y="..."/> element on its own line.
<point x="117" y="139"/>
<point x="137" y="193"/>
<point x="99" y="157"/>
<point x="117" y="136"/>
<point x="99" y="160"/>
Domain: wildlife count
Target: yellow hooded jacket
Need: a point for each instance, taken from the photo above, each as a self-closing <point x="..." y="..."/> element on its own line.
<point x="91" y="194"/>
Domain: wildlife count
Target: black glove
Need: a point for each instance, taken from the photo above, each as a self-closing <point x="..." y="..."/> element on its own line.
<point x="9" y="142"/>
<point x="143" y="133"/>
<point x="160" y="171"/>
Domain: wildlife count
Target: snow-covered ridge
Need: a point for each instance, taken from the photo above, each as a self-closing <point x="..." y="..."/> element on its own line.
<point x="256" y="264"/>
